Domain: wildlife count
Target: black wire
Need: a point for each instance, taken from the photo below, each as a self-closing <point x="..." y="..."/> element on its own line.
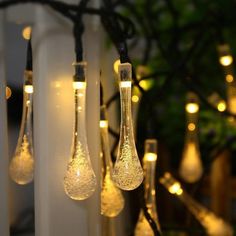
<point x="29" y="58"/>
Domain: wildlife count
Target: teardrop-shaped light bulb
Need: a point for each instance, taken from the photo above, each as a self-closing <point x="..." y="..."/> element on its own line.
<point x="214" y="225"/>
<point x="21" y="168"/>
<point x="149" y="162"/>
<point x="127" y="173"/>
<point x="80" y="180"/>
<point x="112" y="200"/>
<point x="191" y="165"/>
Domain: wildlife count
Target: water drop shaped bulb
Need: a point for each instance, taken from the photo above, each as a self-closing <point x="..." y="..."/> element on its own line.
<point x="21" y="167"/>
<point x="79" y="180"/>
<point x="214" y="225"/>
<point x="149" y="162"/>
<point x="112" y="200"/>
<point x="191" y="168"/>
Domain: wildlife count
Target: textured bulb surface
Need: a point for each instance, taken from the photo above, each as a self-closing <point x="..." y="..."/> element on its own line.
<point x="143" y="228"/>
<point x="191" y="165"/>
<point x="112" y="201"/>
<point x="22" y="165"/>
<point x="80" y="180"/>
<point x="127" y="173"/>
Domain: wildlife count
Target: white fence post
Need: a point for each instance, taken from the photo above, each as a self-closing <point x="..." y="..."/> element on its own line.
<point x="4" y="179"/>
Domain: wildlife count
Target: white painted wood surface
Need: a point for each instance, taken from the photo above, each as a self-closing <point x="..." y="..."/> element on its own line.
<point x="56" y="214"/>
<point x="4" y="179"/>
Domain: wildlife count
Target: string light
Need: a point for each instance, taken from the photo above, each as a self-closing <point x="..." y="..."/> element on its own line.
<point x="21" y="168"/>
<point x="127" y="173"/>
<point x="191" y="166"/>
<point x="80" y="180"/>
<point x="135" y="98"/>
<point x="26" y="32"/>
<point x="214" y="225"/>
<point x="112" y="201"/>
<point x="8" y="92"/>
<point x="116" y="66"/>
<point x="229" y="78"/>
<point x="221" y="106"/>
<point x="149" y="161"/>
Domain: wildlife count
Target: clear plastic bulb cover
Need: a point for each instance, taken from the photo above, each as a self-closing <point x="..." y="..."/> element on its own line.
<point x="142" y="226"/>
<point x="213" y="225"/>
<point x="191" y="165"/>
<point x="21" y="167"/>
<point x="112" y="200"/>
<point x="80" y="180"/>
<point x="127" y="173"/>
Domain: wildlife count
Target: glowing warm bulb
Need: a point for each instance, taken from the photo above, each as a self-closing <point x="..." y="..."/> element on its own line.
<point x="149" y="162"/>
<point x="8" y="92"/>
<point x="150" y="156"/>
<point x="191" y="166"/>
<point x="226" y="60"/>
<point x="221" y="106"/>
<point x="135" y="98"/>
<point x="216" y="226"/>
<point x="232" y="104"/>
<point x="112" y="201"/>
<point x="116" y="65"/>
<point x="80" y="180"/>
<point x="22" y="164"/>
<point x="191" y="126"/>
<point x="29" y="88"/>
<point x="127" y="173"/>
<point x="213" y="225"/>
<point x="229" y="78"/>
<point x="143" y="228"/>
<point x="26" y="32"/>
<point x="192" y="107"/>
<point x="103" y="124"/>
<point x="175" y="188"/>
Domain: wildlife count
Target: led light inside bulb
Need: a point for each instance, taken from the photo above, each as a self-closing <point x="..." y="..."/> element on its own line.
<point x="116" y="65"/>
<point x="125" y="84"/>
<point x="79" y="85"/>
<point x="135" y="98"/>
<point x="150" y="156"/>
<point x="26" y="32"/>
<point x="226" y="60"/>
<point x="192" y="107"/>
<point x="8" y="92"/>
<point x="191" y="126"/>
<point x="29" y="88"/>
<point x="173" y="189"/>
<point x="103" y="123"/>
<point x="229" y="78"/>
<point x="221" y="106"/>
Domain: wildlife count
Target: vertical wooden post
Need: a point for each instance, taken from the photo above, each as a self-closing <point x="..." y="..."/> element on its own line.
<point x="4" y="180"/>
<point x="220" y="180"/>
